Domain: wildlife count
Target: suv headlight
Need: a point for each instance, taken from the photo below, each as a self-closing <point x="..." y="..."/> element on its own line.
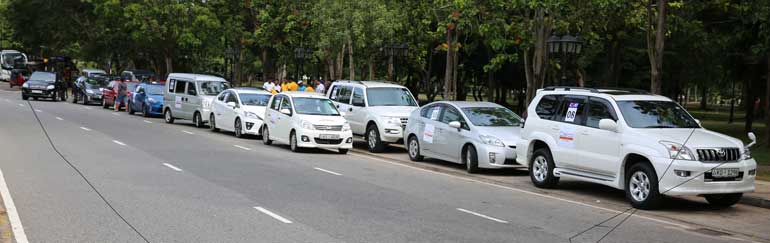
<point x="346" y="127"/>
<point x="50" y="87"/>
<point x="746" y="154"/>
<point x="25" y="85"/>
<point x="88" y="91"/>
<point x="490" y="140"/>
<point x="307" y="125"/>
<point x="250" y="114"/>
<point x="392" y="120"/>
<point x="677" y="151"/>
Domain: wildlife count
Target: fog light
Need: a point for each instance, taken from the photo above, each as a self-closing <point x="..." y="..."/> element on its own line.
<point x="682" y="173"/>
<point x="391" y="131"/>
<point x="492" y="157"/>
<point x="752" y="172"/>
<point x="350" y="140"/>
<point x="305" y="138"/>
<point x="249" y="125"/>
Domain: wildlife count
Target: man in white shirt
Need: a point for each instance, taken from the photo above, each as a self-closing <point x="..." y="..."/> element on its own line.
<point x="319" y="87"/>
<point x="268" y="86"/>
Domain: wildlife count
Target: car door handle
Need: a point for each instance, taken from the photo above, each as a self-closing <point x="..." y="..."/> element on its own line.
<point x="350" y="109"/>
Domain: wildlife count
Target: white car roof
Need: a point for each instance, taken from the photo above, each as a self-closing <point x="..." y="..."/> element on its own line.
<point x="196" y="77"/>
<point x="609" y="93"/>
<point x="466" y="104"/>
<point x="242" y="90"/>
<point x="303" y="94"/>
<point x="370" y="84"/>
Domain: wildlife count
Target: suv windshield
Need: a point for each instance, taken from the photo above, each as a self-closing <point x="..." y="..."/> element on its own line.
<point x="213" y="87"/>
<point x="656" y="114"/>
<point x="255" y="99"/>
<point x="315" y="106"/>
<point x="389" y="97"/>
<point x="492" y="116"/>
<point x="43" y="76"/>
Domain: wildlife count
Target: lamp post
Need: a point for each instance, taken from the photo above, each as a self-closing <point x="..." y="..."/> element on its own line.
<point x="301" y="54"/>
<point x="229" y="56"/>
<point x="566" y="48"/>
<point x="397" y="50"/>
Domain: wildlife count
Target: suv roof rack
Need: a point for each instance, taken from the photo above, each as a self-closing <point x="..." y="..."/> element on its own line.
<point x="629" y="90"/>
<point x="349" y="81"/>
<point x="568" y="88"/>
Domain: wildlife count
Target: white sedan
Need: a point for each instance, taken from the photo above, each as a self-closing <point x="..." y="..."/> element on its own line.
<point x="239" y="110"/>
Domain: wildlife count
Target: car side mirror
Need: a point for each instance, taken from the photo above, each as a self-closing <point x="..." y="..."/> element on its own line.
<point x="753" y="139"/>
<point x="456" y="124"/>
<point x="608" y="124"/>
<point x="232" y="104"/>
<point x="286" y="112"/>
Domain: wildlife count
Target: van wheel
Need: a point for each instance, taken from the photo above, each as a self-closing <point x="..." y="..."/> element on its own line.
<point x="373" y="139"/>
<point x="167" y="116"/>
<point x="213" y="123"/>
<point x="471" y="159"/>
<point x="266" y="136"/>
<point x="414" y="149"/>
<point x="293" y="143"/>
<point x="237" y="128"/>
<point x="724" y="200"/>
<point x="541" y="169"/>
<point x="197" y="120"/>
<point x="642" y="187"/>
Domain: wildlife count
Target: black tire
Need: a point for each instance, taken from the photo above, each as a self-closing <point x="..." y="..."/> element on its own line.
<point x="644" y="194"/>
<point x="145" y="110"/>
<point x="86" y="100"/>
<point x="74" y="99"/>
<point x="413" y="148"/>
<point x="293" y="143"/>
<point x="541" y="169"/>
<point x="197" y="120"/>
<point x="266" y="136"/>
<point x="167" y="116"/>
<point x="724" y="200"/>
<point x="213" y="123"/>
<point x="24" y="97"/>
<point x="104" y="103"/>
<point x="342" y="151"/>
<point x="471" y="159"/>
<point x="238" y="128"/>
<point x="34" y="98"/>
<point x="373" y="141"/>
<point x="129" y="109"/>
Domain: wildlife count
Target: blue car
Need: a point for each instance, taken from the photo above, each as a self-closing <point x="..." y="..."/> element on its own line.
<point x="147" y="99"/>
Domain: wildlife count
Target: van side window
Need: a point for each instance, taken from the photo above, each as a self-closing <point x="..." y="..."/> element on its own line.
<point x="599" y="109"/>
<point x="276" y="102"/>
<point x="191" y="88"/>
<point x="171" y="85"/>
<point x="546" y="109"/>
<point x="180" y="87"/>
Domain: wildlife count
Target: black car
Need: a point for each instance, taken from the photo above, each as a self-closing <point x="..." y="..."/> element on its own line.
<point x="138" y="75"/>
<point x="89" y="89"/>
<point x="40" y="85"/>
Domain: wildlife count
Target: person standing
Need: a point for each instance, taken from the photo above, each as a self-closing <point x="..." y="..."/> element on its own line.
<point x="308" y="88"/>
<point x="292" y="85"/>
<point x="121" y="89"/>
<point x="276" y="87"/>
<point x="320" y="87"/>
<point x="268" y="86"/>
<point x="302" y="86"/>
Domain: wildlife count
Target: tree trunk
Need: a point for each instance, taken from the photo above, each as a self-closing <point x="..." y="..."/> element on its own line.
<point x="268" y="68"/>
<point x="703" y="97"/>
<point x="340" y="62"/>
<point x="390" y="68"/>
<point x="237" y="64"/>
<point x="169" y="63"/>
<point x="449" y="70"/>
<point x="351" y="63"/>
<point x="767" y="103"/>
<point x="614" y="64"/>
<point x="330" y="65"/>
<point x="536" y="59"/>
<point x="655" y="42"/>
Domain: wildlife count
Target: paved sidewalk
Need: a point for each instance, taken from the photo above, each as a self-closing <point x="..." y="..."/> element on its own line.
<point x="760" y="197"/>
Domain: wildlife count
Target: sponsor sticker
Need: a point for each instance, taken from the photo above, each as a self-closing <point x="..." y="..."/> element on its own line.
<point x="427" y="134"/>
<point x="567" y="136"/>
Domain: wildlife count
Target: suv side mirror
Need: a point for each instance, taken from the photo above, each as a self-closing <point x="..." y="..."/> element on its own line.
<point x="456" y="124"/>
<point x="286" y="112"/>
<point x="608" y="124"/>
<point x="753" y="139"/>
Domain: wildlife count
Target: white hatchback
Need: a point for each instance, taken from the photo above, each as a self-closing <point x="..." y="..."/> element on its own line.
<point x="239" y="110"/>
<point x="306" y="120"/>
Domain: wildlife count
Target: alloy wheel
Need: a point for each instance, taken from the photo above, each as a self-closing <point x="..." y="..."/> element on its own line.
<point x="640" y="186"/>
<point x="372" y="138"/>
<point x="540" y="168"/>
<point x="413" y="148"/>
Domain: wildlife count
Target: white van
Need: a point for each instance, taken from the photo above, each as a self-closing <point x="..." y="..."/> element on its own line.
<point x="8" y="59"/>
<point x="189" y="96"/>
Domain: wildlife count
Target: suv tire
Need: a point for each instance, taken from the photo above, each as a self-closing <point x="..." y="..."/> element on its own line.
<point x="541" y="169"/>
<point x="470" y="159"/>
<point x="642" y="187"/>
<point x="167" y="116"/>
<point x="413" y="146"/>
<point x="373" y="141"/>
<point x="724" y="200"/>
<point x="266" y="136"/>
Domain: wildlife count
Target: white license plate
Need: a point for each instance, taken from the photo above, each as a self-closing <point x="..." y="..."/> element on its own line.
<point x="37" y="91"/>
<point x="329" y="136"/>
<point x="724" y="172"/>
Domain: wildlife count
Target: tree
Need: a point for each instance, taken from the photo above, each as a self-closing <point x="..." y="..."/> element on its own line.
<point x="656" y="38"/>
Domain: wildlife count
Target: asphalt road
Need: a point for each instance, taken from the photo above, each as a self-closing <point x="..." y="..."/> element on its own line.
<point x="175" y="183"/>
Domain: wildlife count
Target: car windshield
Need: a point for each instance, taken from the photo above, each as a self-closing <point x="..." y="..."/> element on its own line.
<point x="144" y="76"/>
<point x="43" y="76"/>
<point x="95" y="83"/>
<point x="315" y="106"/>
<point x="390" y="97"/>
<point x="154" y="89"/>
<point x="656" y="114"/>
<point x="132" y="86"/>
<point x="12" y="58"/>
<point x="492" y="116"/>
<point x="213" y="87"/>
<point x="255" y="99"/>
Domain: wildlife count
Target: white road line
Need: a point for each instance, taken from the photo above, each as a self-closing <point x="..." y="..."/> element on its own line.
<point x="13" y="215"/>
<point x="327" y="171"/>
<point x="86" y="107"/>
<point x="146" y="121"/>
<point x="85" y="128"/>
<point x="483" y="216"/>
<point x="115" y="113"/>
<point x="188" y="132"/>
<point x="59" y="118"/>
<point x="172" y="167"/>
<point x="118" y="142"/>
<point x="275" y="216"/>
<point x="21" y="105"/>
<point x="38" y="110"/>
<point x="526" y="192"/>
<point x="241" y="147"/>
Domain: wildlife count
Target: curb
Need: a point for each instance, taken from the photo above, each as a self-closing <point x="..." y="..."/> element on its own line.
<point x="755" y="201"/>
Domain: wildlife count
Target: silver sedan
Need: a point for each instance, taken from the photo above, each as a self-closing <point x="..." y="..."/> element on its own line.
<point x="476" y="134"/>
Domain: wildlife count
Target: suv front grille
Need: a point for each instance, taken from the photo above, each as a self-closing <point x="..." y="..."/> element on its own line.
<point x="328" y="127"/>
<point x="718" y="154"/>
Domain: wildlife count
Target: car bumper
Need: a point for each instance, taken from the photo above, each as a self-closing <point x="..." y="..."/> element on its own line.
<point x="155" y="109"/>
<point x="699" y="181"/>
<point x="252" y="126"/>
<point x="43" y="93"/>
<point x="391" y="134"/>
<point x="312" y="139"/>
<point x="496" y="157"/>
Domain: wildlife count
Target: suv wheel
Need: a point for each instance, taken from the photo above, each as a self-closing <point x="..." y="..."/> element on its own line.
<point x="167" y="116"/>
<point x="642" y="187"/>
<point x="293" y="143"/>
<point x="414" y="149"/>
<point x="237" y="128"/>
<point x="724" y="200"/>
<point x="266" y="136"/>
<point x="541" y="169"/>
<point x="373" y="139"/>
<point x="471" y="159"/>
<point x="197" y="120"/>
<point x="213" y="123"/>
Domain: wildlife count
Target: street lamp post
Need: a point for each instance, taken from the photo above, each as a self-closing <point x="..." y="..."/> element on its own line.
<point x="229" y="55"/>
<point x="397" y="50"/>
<point x="301" y="54"/>
<point x="566" y="48"/>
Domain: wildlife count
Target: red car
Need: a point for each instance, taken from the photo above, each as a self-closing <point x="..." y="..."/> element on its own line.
<point x="18" y="77"/>
<point x="110" y="94"/>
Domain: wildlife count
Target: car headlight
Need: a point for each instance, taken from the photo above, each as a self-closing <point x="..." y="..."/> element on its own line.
<point x="89" y="91"/>
<point x="490" y="140"/>
<point x="677" y="151"/>
<point x="251" y="115"/>
<point x="346" y="127"/>
<point x="151" y="100"/>
<point x="746" y="153"/>
<point x="307" y="125"/>
<point x="50" y="87"/>
<point x="392" y="120"/>
<point x="25" y="85"/>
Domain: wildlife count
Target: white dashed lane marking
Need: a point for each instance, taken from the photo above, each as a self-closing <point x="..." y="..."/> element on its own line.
<point x="327" y="171"/>
<point x="274" y="215"/>
<point x="119" y="142"/>
<point x="146" y="121"/>
<point x="59" y="118"/>
<point x="481" y="215"/>
<point x="188" y="132"/>
<point x="85" y="128"/>
<point x="241" y="147"/>
<point x="172" y="167"/>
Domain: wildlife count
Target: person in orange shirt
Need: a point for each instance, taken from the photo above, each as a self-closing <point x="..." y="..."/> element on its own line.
<point x="292" y="85"/>
<point x="285" y="85"/>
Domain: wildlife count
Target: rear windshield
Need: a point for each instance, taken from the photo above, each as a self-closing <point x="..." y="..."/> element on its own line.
<point x="154" y="89"/>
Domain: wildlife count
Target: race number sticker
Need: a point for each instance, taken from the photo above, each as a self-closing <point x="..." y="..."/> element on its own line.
<point x="567" y="136"/>
<point x="434" y="113"/>
<point x="427" y="134"/>
<point x="178" y="102"/>
<point x="571" y="112"/>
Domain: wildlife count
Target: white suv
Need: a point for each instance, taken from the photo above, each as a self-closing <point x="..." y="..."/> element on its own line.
<point x="378" y="111"/>
<point x="646" y="144"/>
